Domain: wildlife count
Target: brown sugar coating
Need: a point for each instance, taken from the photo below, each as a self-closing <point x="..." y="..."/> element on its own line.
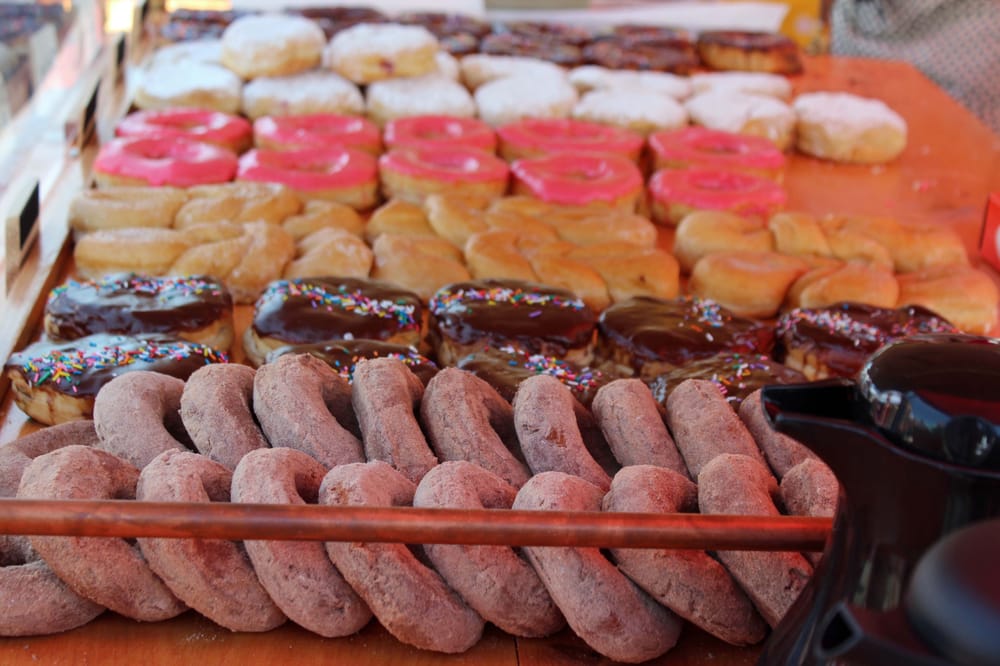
<point x="781" y="451"/>
<point x="16" y="455"/>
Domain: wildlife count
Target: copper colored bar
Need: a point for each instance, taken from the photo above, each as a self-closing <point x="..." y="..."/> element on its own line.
<point x="125" y="518"/>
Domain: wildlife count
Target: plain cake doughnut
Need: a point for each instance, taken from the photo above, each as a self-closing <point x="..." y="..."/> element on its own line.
<point x="271" y="45"/>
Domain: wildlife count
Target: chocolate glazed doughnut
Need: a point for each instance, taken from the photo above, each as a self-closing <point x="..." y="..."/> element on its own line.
<point x="386" y="396"/>
<point x="15" y="456"/>
<point x="688" y="582"/>
<point x="466" y="419"/>
<point x="212" y="576"/>
<point x="298" y="575"/>
<point x="606" y="609"/>
<point x="137" y="417"/>
<point x="110" y="572"/>
<point x="303" y="404"/>
<point x="410" y="600"/>
<point x="494" y="580"/>
<point x="217" y="413"/>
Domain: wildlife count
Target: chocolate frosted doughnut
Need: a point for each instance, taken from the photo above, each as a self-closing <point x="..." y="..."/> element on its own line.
<point x="216" y="408"/>
<point x="317" y="309"/>
<point x="646" y="336"/>
<point x="466" y="419"/>
<point x="749" y="51"/>
<point x="443" y="24"/>
<point x="616" y="53"/>
<point x="16" y="455"/>
<point x="110" y="572"/>
<point x="515" y="44"/>
<point x="606" y="609"/>
<point x="633" y="426"/>
<point x="688" y="582"/>
<point x="735" y="375"/>
<point x="298" y="575"/>
<point x="212" y="576"/>
<point x="302" y="404"/>
<point x="546" y="424"/>
<point x="410" y="600"/>
<point x="498" y="584"/>
<point x="137" y="416"/>
<point x="781" y="451"/>
<point x="343" y="356"/>
<point x="386" y="397"/>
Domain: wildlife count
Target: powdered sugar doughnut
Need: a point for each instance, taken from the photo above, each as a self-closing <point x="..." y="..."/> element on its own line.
<point x="16" y="455"/>
<point x="494" y="580"/>
<point x="109" y="572"/>
<point x="191" y="84"/>
<point x="633" y="426"/>
<point x="271" y="45"/>
<point x="371" y="52"/>
<point x="212" y="576"/>
<point x="750" y="83"/>
<point x="846" y="128"/>
<point x="642" y="111"/>
<point x="595" y="77"/>
<point x="298" y="575"/>
<point x="755" y="115"/>
<point x="301" y="94"/>
<point x="512" y="98"/>
<point x="478" y="69"/>
<point x="418" y="96"/>
<point x="410" y="600"/>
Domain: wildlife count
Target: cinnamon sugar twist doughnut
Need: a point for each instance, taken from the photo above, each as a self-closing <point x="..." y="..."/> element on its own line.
<point x="210" y="575"/>
<point x="298" y="575"/>
<point x="466" y="419"/>
<point x="16" y="455"/>
<point x="109" y="572"/>
<point x="410" y="600"/>
<point x="606" y="609"/>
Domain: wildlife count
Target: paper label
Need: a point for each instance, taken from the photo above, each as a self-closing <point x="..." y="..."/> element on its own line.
<point x="21" y="228"/>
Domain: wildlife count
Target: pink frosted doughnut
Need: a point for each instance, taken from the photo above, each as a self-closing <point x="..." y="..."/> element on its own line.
<point x="433" y="131"/>
<point x="498" y="584"/>
<point x="415" y="173"/>
<point x="410" y="600"/>
<point x="579" y="179"/>
<point x="16" y="455"/>
<point x="298" y="575"/>
<point x="533" y="137"/>
<point x="675" y="193"/>
<point x="222" y="129"/>
<point x="212" y="576"/>
<point x="110" y="572"/>
<point x="327" y="172"/>
<point x="162" y="161"/>
<point x="703" y="148"/>
<point x="317" y="130"/>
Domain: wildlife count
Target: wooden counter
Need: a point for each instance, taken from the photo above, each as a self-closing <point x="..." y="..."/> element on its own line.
<point x="951" y="164"/>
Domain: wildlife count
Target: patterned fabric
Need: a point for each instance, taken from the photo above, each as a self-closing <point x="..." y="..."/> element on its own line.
<point x="954" y="42"/>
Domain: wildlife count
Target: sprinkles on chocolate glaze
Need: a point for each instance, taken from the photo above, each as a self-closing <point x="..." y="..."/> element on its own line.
<point x="579" y="380"/>
<point x="164" y="288"/>
<point x="842" y="320"/>
<point x="736" y="375"/>
<point x="353" y="301"/>
<point x="446" y="301"/>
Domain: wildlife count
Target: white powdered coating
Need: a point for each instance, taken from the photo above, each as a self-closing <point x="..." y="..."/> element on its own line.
<point x="179" y="83"/>
<point x="388" y="39"/>
<point x="641" y="110"/>
<point x="751" y="83"/>
<point x="447" y="65"/>
<point x="512" y="98"/>
<point x="419" y="96"/>
<point x="479" y="68"/>
<point x="592" y="77"/>
<point x="846" y="115"/>
<point x="265" y="31"/>
<point x="207" y="51"/>
<point x="299" y="94"/>
<point x="732" y="111"/>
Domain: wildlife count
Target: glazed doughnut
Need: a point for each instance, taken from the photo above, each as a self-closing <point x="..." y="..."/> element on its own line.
<point x="781" y="451"/>
<point x="555" y="267"/>
<point x="432" y="94"/>
<point x="271" y="45"/>
<point x="297" y="575"/>
<point x="423" y="264"/>
<point x="751" y="284"/>
<point x="338" y="174"/>
<point x="689" y="582"/>
<point x="702" y="148"/>
<point x="195" y="308"/>
<point x="466" y="419"/>
<point x="409" y="599"/>
<point x="190" y="84"/>
<point x="704" y="426"/>
<point x="594" y="77"/>
<point x="748" y="83"/>
<point x="640" y="55"/>
<point x="386" y="397"/>
<point x="315" y="309"/>
<point x="159" y="161"/>
<point x="366" y="53"/>
<point x="109" y="572"/>
<point x="633" y="426"/>
<point x="212" y="576"/>
<point x="217" y="413"/>
<point x="118" y="207"/>
<point x="605" y="227"/>
<point x="822" y="287"/>
<point x="495" y="254"/>
<point x="237" y="202"/>
<point x="965" y="296"/>
<point x="55" y="383"/>
<point x="302" y="404"/>
<point x="609" y="612"/>
<point x="706" y="231"/>
<point x="637" y="110"/>
<point x="546" y="424"/>
<point x="631" y="271"/>
<point x="676" y="193"/>
<point x="512" y="98"/>
<point x="496" y="582"/>
<point x="481" y="68"/>
<point x="139" y="250"/>
<point x="525" y="46"/>
<point x="343" y="356"/>
<point x="749" y="51"/>
<point x="743" y="113"/>
<point x="222" y="129"/>
<point x="16" y="455"/>
<point x="294" y="132"/>
<point x="318" y="215"/>
<point x="911" y="248"/>
<point x="414" y="174"/>
<point x="846" y="128"/>
<point x="330" y="250"/>
<point x="399" y="218"/>
<point x="456" y="217"/>
<point x="303" y="94"/>
<point x="579" y="178"/>
<point x="428" y="131"/>
<point x="534" y="137"/>
<point x="740" y="485"/>
<point x="799" y="234"/>
<point x="735" y="375"/>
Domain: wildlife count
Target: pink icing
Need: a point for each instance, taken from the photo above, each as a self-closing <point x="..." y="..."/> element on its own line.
<point x="431" y="131"/>
<point x="186" y="123"/>
<point x="578" y="178"/>
<point x="177" y="162"/>
<point x="549" y="135"/>
<point x="705" y="189"/>
<point x="446" y="163"/>
<point x="701" y="147"/>
<point x="319" y="129"/>
<point x="309" y="169"/>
